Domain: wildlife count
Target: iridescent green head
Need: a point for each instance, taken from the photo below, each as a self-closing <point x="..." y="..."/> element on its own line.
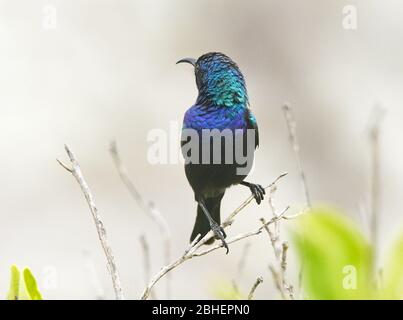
<point x="219" y="80"/>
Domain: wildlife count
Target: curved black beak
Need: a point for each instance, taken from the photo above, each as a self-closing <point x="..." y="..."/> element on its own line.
<point x="187" y="60"/>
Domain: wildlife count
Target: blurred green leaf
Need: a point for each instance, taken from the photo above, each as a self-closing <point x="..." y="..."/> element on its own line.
<point x="13" y="293"/>
<point x="336" y="258"/>
<point x="31" y="286"/>
<point x="393" y="272"/>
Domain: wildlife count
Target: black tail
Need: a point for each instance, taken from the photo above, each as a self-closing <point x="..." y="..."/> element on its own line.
<point x="202" y="225"/>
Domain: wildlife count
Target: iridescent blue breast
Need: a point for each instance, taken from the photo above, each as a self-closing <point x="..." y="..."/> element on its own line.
<point x="201" y="117"/>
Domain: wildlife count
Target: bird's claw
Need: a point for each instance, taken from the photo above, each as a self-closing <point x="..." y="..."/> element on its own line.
<point x="258" y="192"/>
<point x="220" y="234"/>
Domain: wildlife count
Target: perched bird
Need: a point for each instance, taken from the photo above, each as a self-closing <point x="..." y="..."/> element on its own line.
<point x="222" y="106"/>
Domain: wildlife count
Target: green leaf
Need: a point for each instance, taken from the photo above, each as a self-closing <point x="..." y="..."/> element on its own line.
<point x="336" y="258"/>
<point x="13" y="293"/>
<point x="393" y="272"/>
<point x="31" y="286"/>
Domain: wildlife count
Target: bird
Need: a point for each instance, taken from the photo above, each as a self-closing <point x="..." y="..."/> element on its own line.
<point x="222" y="106"/>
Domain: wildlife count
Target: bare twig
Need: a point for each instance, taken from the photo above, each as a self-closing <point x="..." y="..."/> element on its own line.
<point x="284" y="257"/>
<point x="242" y="261"/>
<point x="286" y="290"/>
<point x="294" y="216"/>
<point x="166" y="239"/>
<point x="237" y="238"/>
<point x="148" y="208"/>
<point x="235" y="287"/>
<point x="280" y="250"/>
<point x="363" y="208"/>
<point x="279" y="275"/>
<point x="278" y="282"/>
<point x="258" y="281"/>
<point x="292" y="130"/>
<point x="241" y="266"/>
<point x="373" y="138"/>
<point x="274" y="236"/>
<point x="231" y="217"/>
<point x="75" y="170"/>
<point x="286" y="285"/>
<point x="228" y="221"/>
<point x="192" y="251"/>
<point x="168" y="268"/>
<point x="147" y="263"/>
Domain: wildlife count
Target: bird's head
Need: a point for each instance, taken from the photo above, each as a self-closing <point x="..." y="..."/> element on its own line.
<point x="219" y="80"/>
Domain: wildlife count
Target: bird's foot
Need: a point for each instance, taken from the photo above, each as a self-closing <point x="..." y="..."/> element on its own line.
<point x="219" y="233"/>
<point x="258" y="192"/>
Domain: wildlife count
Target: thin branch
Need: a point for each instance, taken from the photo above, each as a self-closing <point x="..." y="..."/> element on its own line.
<point x="294" y="216"/>
<point x="280" y="250"/>
<point x="65" y="166"/>
<point x="231" y="217"/>
<point x="235" y="287"/>
<point x="286" y="290"/>
<point x="148" y="208"/>
<point x="373" y="138"/>
<point x="168" y="268"/>
<point x="274" y="236"/>
<point x="292" y="130"/>
<point x="284" y="257"/>
<point x="192" y="250"/>
<point x="75" y="170"/>
<point x="241" y="266"/>
<point x="363" y="208"/>
<point x="124" y="176"/>
<point x="228" y="221"/>
<point x="286" y="285"/>
<point x="301" y="293"/>
<point x="236" y="238"/>
<point x="166" y="239"/>
<point x="242" y="261"/>
<point x="278" y="282"/>
<point x="147" y="263"/>
<point x="258" y="281"/>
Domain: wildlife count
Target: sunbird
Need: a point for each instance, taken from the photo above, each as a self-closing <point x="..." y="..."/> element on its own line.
<point x="221" y="109"/>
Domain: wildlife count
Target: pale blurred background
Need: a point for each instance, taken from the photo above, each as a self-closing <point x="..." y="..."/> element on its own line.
<point x="104" y="70"/>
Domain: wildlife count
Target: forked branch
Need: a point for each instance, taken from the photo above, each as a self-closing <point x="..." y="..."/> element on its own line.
<point x="194" y="249"/>
<point x="75" y="170"/>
